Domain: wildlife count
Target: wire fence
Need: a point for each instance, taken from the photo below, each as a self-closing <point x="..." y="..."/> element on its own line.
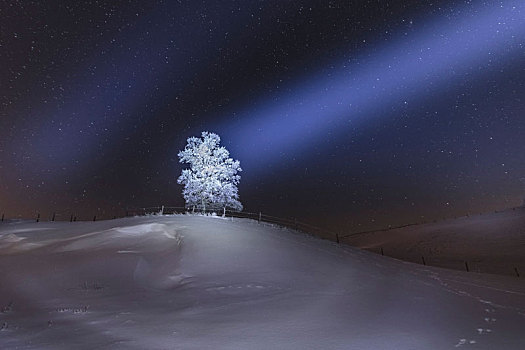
<point x="455" y="263"/>
<point x="68" y="215"/>
<point x="260" y="217"/>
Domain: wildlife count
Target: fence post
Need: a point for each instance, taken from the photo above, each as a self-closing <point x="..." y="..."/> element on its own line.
<point x="71" y="218"/>
<point x="382" y="253"/>
<point x="38" y="217"/>
<point x="53" y="218"/>
<point x="423" y="258"/>
<point x="517" y="273"/>
<point x="162" y="210"/>
<point x="74" y="218"/>
<point x="95" y="218"/>
<point x="466" y="266"/>
<point x="260" y="214"/>
<point x="3" y="217"/>
<point x="337" y="238"/>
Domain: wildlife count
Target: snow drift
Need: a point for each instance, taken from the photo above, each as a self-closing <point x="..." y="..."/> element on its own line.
<point x="193" y="282"/>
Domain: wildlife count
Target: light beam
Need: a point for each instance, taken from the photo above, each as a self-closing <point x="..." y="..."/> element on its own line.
<point x="443" y="52"/>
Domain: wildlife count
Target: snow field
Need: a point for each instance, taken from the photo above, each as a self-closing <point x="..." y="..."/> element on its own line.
<point x="194" y="282"/>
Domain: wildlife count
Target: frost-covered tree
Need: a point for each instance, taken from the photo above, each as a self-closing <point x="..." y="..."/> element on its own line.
<point x="212" y="179"/>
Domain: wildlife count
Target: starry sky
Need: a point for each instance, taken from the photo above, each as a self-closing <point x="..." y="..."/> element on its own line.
<point x="349" y="115"/>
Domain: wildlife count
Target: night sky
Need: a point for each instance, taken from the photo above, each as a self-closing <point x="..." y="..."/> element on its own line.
<point x="350" y="115"/>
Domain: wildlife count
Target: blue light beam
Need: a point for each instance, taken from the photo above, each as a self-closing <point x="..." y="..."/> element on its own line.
<point x="444" y="52"/>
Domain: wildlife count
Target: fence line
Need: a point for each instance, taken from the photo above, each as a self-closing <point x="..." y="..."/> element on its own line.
<point x="260" y="217"/>
<point x="390" y="227"/>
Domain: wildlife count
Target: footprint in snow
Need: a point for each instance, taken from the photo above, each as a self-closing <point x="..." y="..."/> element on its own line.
<point x="465" y="342"/>
<point x="484" y="331"/>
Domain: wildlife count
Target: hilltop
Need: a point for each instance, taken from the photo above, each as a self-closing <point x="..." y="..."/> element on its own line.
<point x="194" y="282"/>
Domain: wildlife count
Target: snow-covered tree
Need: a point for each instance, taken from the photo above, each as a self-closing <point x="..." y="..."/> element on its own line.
<point x="212" y="179"/>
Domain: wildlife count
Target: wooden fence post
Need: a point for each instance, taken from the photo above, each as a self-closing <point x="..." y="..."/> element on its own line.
<point x="53" y="218"/>
<point x="74" y="218"/>
<point x="3" y="217"/>
<point x="466" y="266"/>
<point x="382" y="253"/>
<point x="517" y="273"/>
<point x="38" y="217"/>
<point x="95" y="218"/>
<point x="337" y="238"/>
<point x="423" y="258"/>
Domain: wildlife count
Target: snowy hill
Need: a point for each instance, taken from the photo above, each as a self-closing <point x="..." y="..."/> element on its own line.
<point x="193" y="282"/>
<point x="489" y="243"/>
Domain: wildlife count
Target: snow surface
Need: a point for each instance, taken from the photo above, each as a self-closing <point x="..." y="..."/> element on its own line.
<point x="489" y="243"/>
<point x="194" y="282"/>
